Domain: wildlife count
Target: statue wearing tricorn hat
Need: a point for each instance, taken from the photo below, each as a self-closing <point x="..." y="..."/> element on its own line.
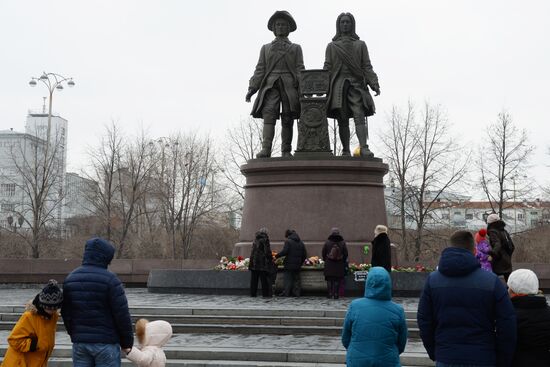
<point x="276" y="81"/>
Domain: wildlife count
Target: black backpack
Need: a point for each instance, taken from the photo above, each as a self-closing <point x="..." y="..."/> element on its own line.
<point x="335" y="253"/>
<point x="508" y="244"/>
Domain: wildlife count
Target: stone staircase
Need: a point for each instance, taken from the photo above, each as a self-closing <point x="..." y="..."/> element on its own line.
<point x="235" y="337"/>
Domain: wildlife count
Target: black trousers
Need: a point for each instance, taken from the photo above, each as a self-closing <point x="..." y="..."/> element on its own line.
<point x="292" y="283"/>
<point x="333" y="287"/>
<point x="266" y="285"/>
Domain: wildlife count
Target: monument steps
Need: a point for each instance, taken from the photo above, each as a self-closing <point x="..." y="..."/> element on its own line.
<point x="197" y="329"/>
<point x="225" y="321"/>
<point x="212" y="356"/>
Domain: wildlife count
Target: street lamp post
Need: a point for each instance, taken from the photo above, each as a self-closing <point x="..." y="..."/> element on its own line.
<point x="53" y="82"/>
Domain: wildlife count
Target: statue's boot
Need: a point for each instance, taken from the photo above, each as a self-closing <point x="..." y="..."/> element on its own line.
<point x="268" y="132"/>
<point x="286" y="136"/>
<point x="343" y="131"/>
<point x="361" y="131"/>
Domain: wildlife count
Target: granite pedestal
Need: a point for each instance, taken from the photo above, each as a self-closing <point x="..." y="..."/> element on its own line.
<point x="311" y="195"/>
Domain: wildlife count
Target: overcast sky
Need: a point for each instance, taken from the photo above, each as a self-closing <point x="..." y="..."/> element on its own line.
<point x="171" y="65"/>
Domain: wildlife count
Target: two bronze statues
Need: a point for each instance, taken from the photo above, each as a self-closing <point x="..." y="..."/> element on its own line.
<point x="276" y="81"/>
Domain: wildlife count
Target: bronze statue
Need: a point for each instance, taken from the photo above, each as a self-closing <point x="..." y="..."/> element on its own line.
<point x="276" y="81"/>
<point x="347" y="59"/>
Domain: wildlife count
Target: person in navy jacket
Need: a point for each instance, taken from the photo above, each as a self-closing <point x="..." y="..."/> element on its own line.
<point x="465" y="315"/>
<point x="375" y="328"/>
<point x="95" y="309"/>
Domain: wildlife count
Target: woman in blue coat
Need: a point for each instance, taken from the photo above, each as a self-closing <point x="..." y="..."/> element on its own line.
<point x="375" y="329"/>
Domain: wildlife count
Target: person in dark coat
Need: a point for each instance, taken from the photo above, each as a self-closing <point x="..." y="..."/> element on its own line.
<point x="501" y="258"/>
<point x="381" y="248"/>
<point x="335" y="256"/>
<point x="375" y="328"/>
<point x="533" y="320"/>
<point x="465" y="315"/>
<point x="95" y="309"/>
<point x="295" y="253"/>
<point x="260" y="264"/>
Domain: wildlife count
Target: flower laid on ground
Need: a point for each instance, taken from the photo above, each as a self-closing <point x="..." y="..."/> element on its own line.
<point x="314" y="261"/>
<point x="233" y="263"/>
<point x="412" y="269"/>
<point x="353" y="267"/>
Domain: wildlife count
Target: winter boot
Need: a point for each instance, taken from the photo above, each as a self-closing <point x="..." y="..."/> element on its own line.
<point x="268" y="133"/>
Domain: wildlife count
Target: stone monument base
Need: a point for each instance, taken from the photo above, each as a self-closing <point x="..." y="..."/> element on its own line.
<point x="312" y="195"/>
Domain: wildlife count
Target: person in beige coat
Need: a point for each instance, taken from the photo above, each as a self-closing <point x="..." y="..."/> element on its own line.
<point x="152" y="336"/>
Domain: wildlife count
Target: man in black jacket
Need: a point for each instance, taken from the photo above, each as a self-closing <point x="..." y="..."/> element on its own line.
<point x="294" y="252"/>
<point x="95" y="309"/>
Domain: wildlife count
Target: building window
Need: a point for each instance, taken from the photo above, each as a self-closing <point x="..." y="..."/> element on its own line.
<point x="521" y="216"/>
<point x="534" y="214"/>
<point x="469" y="216"/>
<point x="445" y="216"/>
<point x="534" y="222"/>
<point x="457" y="213"/>
<point x="7" y="207"/>
<point x="7" y="189"/>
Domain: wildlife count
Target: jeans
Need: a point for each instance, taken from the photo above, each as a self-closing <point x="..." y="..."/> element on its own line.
<point x="96" y="355"/>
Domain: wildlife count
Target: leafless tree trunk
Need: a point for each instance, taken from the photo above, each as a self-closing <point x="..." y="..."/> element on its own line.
<point x="503" y="162"/>
<point x="401" y="154"/>
<point x="34" y="188"/>
<point x="442" y="163"/>
<point x="423" y="159"/>
<point x="195" y="199"/>
<point x="133" y="178"/>
<point x="105" y="162"/>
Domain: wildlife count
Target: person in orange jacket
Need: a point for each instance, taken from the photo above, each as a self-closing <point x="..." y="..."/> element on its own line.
<point x="32" y="339"/>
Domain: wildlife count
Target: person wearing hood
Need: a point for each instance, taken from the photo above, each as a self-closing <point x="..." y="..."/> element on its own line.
<point x="533" y="320"/>
<point x="381" y="248"/>
<point x="152" y="336"/>
<point x="95" y="309"/>
<point x="500" y="251"/>
<point x="260" y="264"/>
<point x="464" y="315"/>
<point x="483" y="250"/>
<point x="295" y="254"/>
<point x="335" y="256"/>
<point x="32" y="339"/>
<point x="375" y="328"/>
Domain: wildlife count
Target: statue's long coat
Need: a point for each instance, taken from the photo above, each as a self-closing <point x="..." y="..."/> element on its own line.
<point x="263" y="78"/>
<point x="334" y="63"/>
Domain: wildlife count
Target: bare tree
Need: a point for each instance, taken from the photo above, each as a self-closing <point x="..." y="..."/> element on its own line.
<point x="503" y="160"/>
<point x="195" y="199"/>
<point x="104" y="163"/>
<point x="441" y="164"/>
<point x="134" y="177"/>
<point x="401" y="154"/>
<point x="422" y="156"/>
<point x="34" y="187"/>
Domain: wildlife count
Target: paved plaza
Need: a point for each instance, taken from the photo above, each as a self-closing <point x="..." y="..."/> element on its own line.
<point x="139" y="297"/>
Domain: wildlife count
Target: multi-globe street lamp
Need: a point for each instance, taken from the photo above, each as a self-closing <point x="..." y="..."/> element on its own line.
<point x="53" y="82"/>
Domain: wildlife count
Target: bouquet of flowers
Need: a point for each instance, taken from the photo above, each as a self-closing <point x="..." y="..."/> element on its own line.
<point x="314" y="261"/>
<point x="233" y="263"/>
<point x="353" y="267"/>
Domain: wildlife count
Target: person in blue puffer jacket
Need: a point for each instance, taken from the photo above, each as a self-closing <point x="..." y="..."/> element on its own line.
<point x="375" y="328"/>
<point x="95" y="309"/>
